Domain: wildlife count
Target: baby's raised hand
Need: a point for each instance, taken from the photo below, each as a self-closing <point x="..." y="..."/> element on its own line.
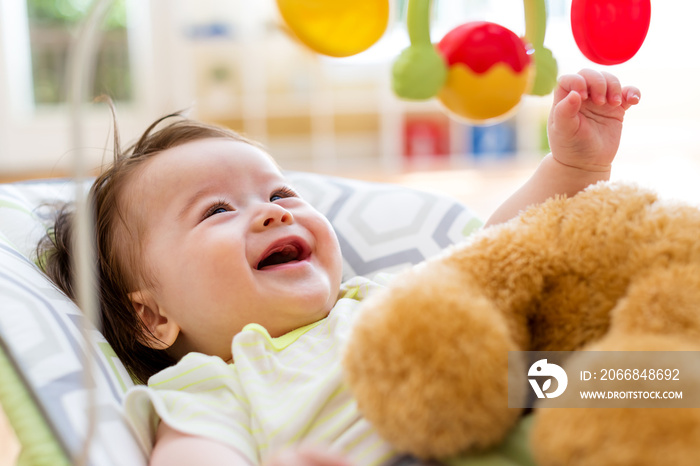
<point x="585" y="122"/>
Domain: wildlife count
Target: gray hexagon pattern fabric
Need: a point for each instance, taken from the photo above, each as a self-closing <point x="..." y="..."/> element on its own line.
<point x="383" y="227"/>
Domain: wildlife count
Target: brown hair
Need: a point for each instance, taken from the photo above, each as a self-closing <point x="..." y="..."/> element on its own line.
<point x="118" y="243"/>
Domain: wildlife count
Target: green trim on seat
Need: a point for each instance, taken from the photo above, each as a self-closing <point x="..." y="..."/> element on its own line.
<point x="39" y="446"/>
<point x="5" y="204"/>
<point x="110" y="355"/>
<point x="472" y="225"/>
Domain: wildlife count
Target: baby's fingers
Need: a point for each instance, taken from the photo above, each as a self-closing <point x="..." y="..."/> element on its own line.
<point x="597" y="84"/>
<point x="613" y="89"/>
<point x="630" y="96"/>
<point x="567" y="84"/>
<point x="567" y="109"/>
<point x="604" y="88"/>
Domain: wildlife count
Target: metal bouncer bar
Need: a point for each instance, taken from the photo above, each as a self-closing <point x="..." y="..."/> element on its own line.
<point x="82" y="59"/>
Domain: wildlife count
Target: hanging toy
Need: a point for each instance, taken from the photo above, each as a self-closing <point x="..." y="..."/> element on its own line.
<point x="609" y="32"/>
<point x="480" y="70"/>
<point x="336" y="28"/>
<point x="488" y="71"/>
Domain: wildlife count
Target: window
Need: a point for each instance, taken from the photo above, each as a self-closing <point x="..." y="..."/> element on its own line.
<point x="35" y="41"/>
<point x="52" y="26"/>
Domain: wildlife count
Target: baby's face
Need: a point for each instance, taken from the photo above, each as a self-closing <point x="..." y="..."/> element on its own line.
<point x="230" y="243"/>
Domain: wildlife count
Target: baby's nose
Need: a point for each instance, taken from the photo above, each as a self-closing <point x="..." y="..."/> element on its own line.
<point x="272" y="215"/>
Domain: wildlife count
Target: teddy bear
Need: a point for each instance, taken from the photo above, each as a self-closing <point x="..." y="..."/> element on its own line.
<point x="613" y="268"/>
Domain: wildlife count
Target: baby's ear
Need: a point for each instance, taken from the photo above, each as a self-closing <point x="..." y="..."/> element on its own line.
<point x="163" y="330"/>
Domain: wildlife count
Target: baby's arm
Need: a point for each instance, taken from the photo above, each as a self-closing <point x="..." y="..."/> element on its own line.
<point x="584" y="129"/>
<point x="174" y="448"/>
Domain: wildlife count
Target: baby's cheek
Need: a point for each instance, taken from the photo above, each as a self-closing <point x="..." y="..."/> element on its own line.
<point x="334" y="251"/>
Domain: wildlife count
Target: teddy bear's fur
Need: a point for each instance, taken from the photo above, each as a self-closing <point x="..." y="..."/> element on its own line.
<point x="612" y="268"/>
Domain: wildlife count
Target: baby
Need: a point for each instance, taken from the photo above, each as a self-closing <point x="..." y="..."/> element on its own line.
<point x="222" y="287"/>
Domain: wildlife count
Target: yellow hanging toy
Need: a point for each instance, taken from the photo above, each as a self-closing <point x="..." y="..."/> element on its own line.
<point x="336" y="28"/>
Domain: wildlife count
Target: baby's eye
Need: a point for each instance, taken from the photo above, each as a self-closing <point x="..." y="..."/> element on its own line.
<point x="218" y="208"/>
<point x="282" y="193"/>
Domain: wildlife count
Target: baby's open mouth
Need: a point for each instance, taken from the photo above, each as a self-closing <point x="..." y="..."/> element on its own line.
<point x="283" y="252"/>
